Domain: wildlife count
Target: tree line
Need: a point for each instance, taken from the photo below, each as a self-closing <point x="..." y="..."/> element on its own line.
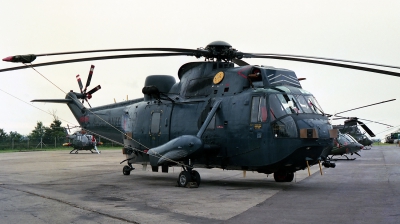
<point x="51" y="136"/>
<point x="40" y="133"/>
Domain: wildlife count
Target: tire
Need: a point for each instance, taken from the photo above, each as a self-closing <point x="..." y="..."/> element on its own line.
<point x="196" y="177"/>
<point x="126" y="170"/>
<point x="280" y="176"/>
<point x="289" y="177"/>
<point x="184" y="179"/>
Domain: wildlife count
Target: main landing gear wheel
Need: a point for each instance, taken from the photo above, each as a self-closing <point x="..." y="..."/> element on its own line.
<point x="126" y="170"/>
<point x="184" y="179"/>
<point x="281" y="176"/>
<point x="196" y="177"/>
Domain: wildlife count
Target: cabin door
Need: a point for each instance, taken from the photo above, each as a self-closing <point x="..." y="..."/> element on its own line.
<point x="159" y="125"/>
<point x="258" y="117"/>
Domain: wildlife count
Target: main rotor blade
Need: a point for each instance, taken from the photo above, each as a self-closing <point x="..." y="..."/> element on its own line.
<point x="376" y="122"/>
<point x="97" y="59"/>
<point x="89" y="78"/>
<point x="240" y="62"/>
<point x="325" y="63"/>
<point x="330" y="59"/>
<point x="356" y="118"/>
<point x="366" y="129"/>
<point x="178" y="50"/>
<point x="28" y="58"/>
<point x="366" y="106"/>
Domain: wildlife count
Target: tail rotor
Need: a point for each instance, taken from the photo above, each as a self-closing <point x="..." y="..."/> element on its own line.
<point x="87" y="95"/>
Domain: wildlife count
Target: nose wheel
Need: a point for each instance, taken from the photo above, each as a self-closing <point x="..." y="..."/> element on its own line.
<point x="283" y="176"/>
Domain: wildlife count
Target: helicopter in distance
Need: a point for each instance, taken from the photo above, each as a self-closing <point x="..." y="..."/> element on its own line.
<point x="218" y="115"/>
<point x="82" y="141"/>
<point x="351" y="126"/>
<point x="344" y="144"/>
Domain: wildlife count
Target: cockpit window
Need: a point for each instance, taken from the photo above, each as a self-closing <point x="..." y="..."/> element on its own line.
<point x="303" y="104"/>
<point x="351" y="137"/>
<point x="290" y="104"/>
<point x="313" y="103"/>
<point x="284" y="101"/>
<point x="343" y="140"/>
<point x="258" y="109"/>
<point x="275" y="107"/>
<point x="282" y="104"/>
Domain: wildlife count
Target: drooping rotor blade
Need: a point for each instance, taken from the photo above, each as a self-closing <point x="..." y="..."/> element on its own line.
<point x="78" y="78"/>
<point x="331" y="59"/>
<point x="89" y="78"/>
<point x="356" y="118"/>
<point x="366" y="128"/>
<point x="366" y="106"/>
<point x="375" y="122"/>
<point x="240" y="62"/>
<point x="324" y="63"/>
<point x="95" y="89"/>
<point x="97" y="59"/>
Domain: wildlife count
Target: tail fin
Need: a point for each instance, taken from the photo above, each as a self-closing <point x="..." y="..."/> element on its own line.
<point x="71" y="99"/>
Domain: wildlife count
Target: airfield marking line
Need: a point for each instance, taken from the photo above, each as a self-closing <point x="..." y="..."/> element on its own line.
<point x="69" y="203"/>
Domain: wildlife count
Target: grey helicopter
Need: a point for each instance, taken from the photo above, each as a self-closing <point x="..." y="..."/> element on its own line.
<point x="82" y="141"/>
<point x="351" y="126"/>
<point x="218" y="115"/>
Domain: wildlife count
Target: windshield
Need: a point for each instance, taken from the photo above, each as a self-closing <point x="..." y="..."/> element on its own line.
<point x="343" y="140"/>
<point x="313" y="104"/>
<point x="303" y="104"/>
<point x="282" y="104"/>
<point x="275" y="107"/>
<point x="349" y="138"/>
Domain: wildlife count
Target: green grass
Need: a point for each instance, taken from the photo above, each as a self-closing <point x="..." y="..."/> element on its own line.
<point x="382" y="144"/>
<point x="55" y="149"/>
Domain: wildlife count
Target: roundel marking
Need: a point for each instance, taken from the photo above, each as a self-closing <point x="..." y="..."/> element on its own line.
<point x="218" y="77"/>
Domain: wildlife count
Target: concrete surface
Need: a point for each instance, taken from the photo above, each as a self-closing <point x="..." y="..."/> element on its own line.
<point x="58" y="187"/>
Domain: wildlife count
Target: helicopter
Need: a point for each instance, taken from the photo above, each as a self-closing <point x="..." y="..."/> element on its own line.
<point x="81" y="140"/>
<point x="249" y="117"/>
<point x="351" y="125"/>
<point x="345" y="144"/>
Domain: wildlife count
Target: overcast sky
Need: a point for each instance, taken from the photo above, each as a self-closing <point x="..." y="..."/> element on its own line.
<point x="364" y="30"/>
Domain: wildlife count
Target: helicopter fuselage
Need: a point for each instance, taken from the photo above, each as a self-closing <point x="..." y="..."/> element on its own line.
<point x="258" y="125"/>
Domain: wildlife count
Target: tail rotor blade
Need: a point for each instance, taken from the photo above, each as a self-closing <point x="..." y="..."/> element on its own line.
<point x="78" y="78"/>
<point x="95" y="89"/>
<point x="89" y="78"/>
<point x="88" y="103"/>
